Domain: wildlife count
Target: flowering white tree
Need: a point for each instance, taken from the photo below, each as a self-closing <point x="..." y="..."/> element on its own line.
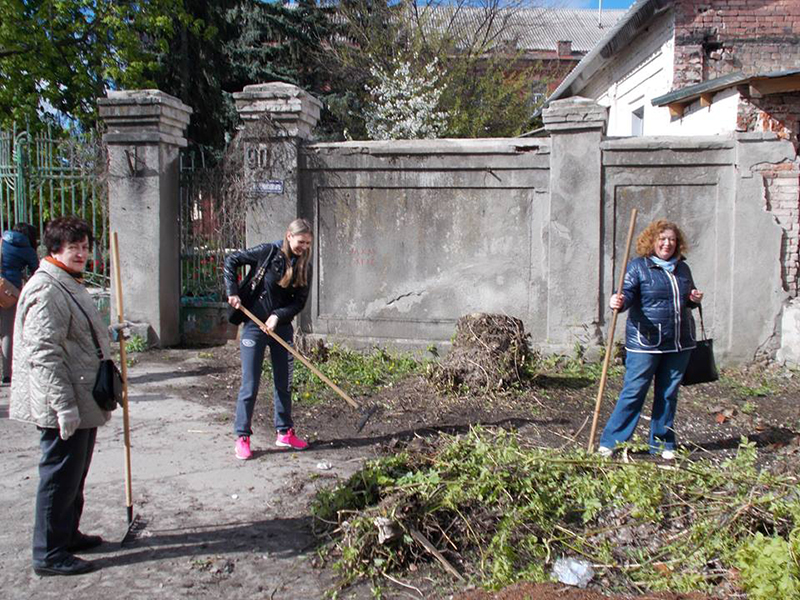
<point x="404" y="103"/>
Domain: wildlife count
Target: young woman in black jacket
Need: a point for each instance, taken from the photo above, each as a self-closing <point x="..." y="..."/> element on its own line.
<point x="275" y="290"/>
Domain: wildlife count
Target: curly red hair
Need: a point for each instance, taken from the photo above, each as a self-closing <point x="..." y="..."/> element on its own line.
<point x="646" y="241"/>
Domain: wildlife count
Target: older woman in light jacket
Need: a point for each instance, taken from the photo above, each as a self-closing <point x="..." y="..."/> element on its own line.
<point x="55" y="365"/>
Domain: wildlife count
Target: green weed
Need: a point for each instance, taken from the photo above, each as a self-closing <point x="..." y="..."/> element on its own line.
<point x="359" y="374"/>
<point x="136" y="343"/>
<point x="769" y="566"/>
<point x="749" y="407"/>
<point x="506" y="512"/>
<point x="763" y="389"/>
<point x="570" y="369"/>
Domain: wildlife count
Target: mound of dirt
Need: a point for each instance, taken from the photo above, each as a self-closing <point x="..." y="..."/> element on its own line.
<point x="488" y="354"/>
<point x="553" y="591"/>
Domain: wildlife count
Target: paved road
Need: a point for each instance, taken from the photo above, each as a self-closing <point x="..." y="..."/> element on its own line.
<point x="215" y="527"/>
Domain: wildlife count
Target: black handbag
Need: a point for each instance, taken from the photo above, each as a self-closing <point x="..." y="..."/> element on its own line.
<point x="107" y="389"/>
<point x="701" y="368"/>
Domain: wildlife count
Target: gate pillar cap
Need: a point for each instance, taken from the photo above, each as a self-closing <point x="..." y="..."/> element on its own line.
<point x="293" y="107"/>
<point x="573" y="114"/>
<point x="142" y="116"/>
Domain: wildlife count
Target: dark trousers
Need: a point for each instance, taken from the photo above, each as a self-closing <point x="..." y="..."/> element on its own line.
<point x="252" y="348"/>
<point x="59" y="499"/>
<point x="7" y="336"/>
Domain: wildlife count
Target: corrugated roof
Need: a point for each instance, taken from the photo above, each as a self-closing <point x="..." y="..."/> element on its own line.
<point x="692" y="92"/>
<point x="528" y="29"/>
<point x="620" y="34"/>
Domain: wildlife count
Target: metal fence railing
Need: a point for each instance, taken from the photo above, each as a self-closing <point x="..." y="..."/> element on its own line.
<point x="43" y="176"/>
<point x="210" y="228"/>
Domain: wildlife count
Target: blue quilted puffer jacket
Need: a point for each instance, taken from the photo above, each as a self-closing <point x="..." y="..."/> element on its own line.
<point x="659" y="310"/>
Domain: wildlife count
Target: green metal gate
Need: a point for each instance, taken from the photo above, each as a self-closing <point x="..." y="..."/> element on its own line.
<point x="212" y="225"/>
<point x="43" y="176"/>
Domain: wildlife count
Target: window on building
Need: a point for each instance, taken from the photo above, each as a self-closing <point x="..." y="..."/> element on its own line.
<point x="637" y="122"/>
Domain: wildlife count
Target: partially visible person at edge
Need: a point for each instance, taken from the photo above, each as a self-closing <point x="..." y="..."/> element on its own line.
<point x="55" y="365"/>
<point x="279" y="297"/>
<point x="19" y="253"/>
<point x="658" y="294"/>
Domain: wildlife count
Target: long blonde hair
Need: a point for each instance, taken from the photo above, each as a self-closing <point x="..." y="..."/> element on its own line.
<point x="297" y="276"/>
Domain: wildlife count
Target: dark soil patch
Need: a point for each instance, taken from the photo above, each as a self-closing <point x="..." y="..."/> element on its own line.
<point x="553" y="591"/>
<point x="553" y="410"/>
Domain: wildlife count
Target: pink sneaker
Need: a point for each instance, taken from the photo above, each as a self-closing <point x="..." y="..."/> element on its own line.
<point x="290" y="440"/>
<point x="243" y="448"/>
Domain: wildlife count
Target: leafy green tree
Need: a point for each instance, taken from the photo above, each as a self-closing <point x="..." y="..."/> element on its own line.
<point x="50" y="56"/>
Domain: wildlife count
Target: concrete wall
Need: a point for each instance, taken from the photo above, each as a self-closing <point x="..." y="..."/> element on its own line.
<point x="411" y="235"/>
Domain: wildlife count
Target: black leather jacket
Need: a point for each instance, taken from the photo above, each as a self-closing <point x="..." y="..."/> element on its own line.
<point x="660" y="317"/>
<point x="270" y="298"/>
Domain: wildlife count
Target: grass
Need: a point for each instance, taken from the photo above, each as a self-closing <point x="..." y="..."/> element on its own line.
<point x="765" y="386"/>
<point x="574" y="371"/>
<point x="357" y="373"/>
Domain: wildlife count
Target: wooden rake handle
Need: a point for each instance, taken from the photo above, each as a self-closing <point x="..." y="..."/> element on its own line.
<point x="126" y="424"/>
<point x="300" y="357"/>
<point x="610" y="343"/>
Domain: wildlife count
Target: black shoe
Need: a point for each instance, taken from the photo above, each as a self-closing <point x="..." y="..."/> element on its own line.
<point x="84" y="542"/>
<point x="6" y="380"/>
<point x="71" y="565"/>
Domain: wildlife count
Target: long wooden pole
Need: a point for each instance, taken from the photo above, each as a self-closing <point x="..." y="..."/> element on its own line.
<point x="124" y="368"/>
<point x="610" y="343"/>
<point x="301" y="358"/>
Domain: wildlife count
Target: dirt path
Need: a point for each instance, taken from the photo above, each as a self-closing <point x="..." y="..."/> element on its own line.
<point x="221" y="528"/>
<point x="216" y="527"/>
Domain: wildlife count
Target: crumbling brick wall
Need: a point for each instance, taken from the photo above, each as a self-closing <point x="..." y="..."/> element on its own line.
<point x="781" y="192"/>
<point x="717" y="37"/>
<point x="776" y="113"/>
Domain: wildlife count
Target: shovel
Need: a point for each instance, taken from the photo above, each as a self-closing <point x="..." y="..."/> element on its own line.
<point x="134" y="524"/>
<point x="610" y="344"/>
<point x="365" y="413"/>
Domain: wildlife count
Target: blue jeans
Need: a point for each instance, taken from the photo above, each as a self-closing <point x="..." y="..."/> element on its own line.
<point x="640" y="369"/>
<point x="252" y="347"/>
<point x="59" y="498"/>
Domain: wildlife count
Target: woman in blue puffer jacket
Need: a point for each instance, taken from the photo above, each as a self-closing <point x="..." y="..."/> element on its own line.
<point x="19" y="253"/>
<point x="658" y="294"/>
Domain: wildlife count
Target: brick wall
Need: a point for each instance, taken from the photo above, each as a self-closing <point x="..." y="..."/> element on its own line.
<point x="781" y="191"/>
<point x="776" y="113"/>
<point x="716" y="37"/>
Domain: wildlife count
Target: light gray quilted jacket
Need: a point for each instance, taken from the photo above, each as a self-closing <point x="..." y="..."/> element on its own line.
<point x="55" y="362"/>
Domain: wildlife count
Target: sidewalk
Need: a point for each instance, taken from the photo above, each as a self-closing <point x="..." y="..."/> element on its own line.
<point x="215" y="526"/>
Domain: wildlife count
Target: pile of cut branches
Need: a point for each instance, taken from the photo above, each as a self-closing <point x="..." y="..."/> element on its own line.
<point x="489" y="353"/>
<point x="492" y="511"/>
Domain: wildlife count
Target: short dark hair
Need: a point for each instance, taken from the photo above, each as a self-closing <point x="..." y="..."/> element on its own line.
<point x="66" y="230"/>
<point x="29" y="231"/>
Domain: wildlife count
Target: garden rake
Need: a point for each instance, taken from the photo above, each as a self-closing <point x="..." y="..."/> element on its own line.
<point x="365" y="412"/>
<point x="135" y="525"/>
<point x="610" y="343"/>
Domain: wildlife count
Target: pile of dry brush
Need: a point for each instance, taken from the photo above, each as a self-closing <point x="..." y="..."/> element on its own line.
<point x="489" y="353"/>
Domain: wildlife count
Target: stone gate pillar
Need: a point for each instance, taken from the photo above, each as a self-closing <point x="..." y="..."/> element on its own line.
<point x="575" y="245"/>
<point x="145" y="131"/>
<point x="271" y="151"/>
